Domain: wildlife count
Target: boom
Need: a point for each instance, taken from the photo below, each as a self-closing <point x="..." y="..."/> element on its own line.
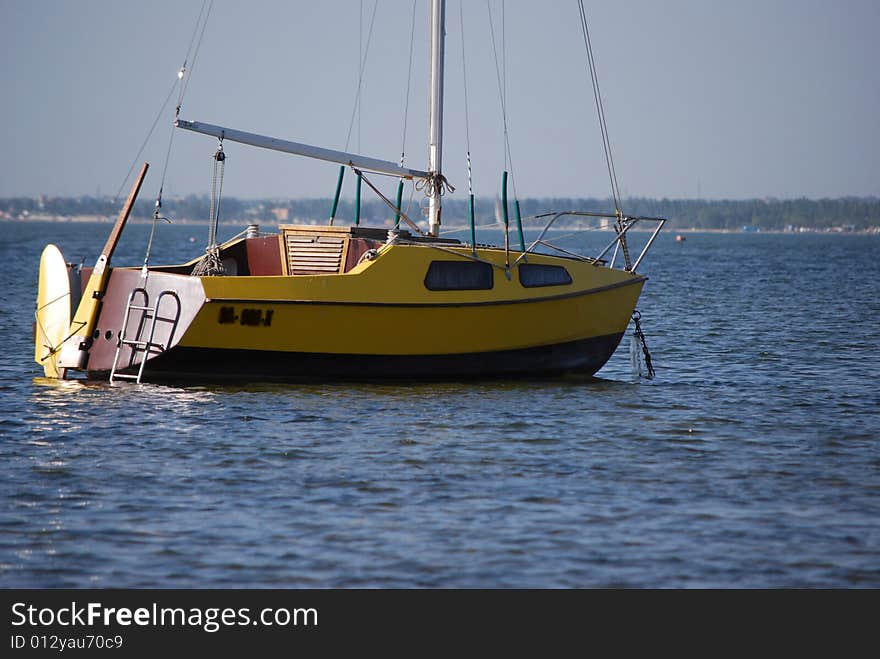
<point x="296" y="148"/>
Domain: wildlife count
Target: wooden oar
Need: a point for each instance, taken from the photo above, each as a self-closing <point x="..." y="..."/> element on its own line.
<point x="75" y="352"/>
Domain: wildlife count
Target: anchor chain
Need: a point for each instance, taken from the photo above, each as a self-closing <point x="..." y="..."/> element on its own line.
<point x="639" y="337"/>
<point x="622" y="238"/>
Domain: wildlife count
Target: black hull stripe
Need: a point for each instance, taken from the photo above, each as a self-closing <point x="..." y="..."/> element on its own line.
<point x="207" y="364"/>
<point x="492" y="303"/>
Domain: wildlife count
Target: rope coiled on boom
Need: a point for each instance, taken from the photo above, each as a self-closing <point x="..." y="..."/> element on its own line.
<point x="435" y="184"/>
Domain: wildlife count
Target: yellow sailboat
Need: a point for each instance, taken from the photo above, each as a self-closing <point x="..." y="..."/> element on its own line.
<point x="320" y="302"/>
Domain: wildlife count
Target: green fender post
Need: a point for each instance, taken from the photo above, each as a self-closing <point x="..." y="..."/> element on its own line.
<point x="357" y="202"/>
<point x="338" y="191"/>
<point x="399" y="201"/>
<point x="522" y="242"/>
<point x="506" y="220"/>
<point x="473" y="227"/>
<point x="504" y="201"/>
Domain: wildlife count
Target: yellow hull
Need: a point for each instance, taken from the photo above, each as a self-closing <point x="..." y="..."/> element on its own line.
<point x="381" y="308"/>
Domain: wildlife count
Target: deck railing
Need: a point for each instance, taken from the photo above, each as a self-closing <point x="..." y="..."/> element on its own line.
<point x="623" y="224"/>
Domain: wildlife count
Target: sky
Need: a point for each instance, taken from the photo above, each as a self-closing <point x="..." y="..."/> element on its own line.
<point x="703" y="98"/>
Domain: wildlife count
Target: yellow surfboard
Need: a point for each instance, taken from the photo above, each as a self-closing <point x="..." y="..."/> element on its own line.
<point x="53" y="310"/>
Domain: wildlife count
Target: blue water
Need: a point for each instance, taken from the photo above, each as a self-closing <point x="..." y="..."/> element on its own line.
<point x="752" y="460"/>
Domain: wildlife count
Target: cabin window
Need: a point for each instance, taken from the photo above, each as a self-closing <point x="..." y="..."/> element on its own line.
<point x="532" y="275"/>
<point x="459" y="276"/>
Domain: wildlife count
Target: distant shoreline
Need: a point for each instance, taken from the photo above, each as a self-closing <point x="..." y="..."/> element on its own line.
<point x="768" y="215"/>
<point x="271" y="226"/>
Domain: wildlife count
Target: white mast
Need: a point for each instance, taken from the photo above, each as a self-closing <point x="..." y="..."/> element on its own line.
<point x="435" y="119"/>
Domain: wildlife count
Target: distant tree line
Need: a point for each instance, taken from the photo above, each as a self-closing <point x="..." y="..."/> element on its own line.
<point x="770" y="214"/>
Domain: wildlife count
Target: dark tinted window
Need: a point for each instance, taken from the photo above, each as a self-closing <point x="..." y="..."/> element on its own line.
<point x="532" y="275"/>
<point x="459" y="276"/>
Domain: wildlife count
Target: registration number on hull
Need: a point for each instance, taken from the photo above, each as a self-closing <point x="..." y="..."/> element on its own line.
<point x="247" y="316"/>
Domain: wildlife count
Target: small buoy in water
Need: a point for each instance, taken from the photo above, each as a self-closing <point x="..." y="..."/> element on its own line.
<point x="680" y="239"/>
<point x="192" y="239"/>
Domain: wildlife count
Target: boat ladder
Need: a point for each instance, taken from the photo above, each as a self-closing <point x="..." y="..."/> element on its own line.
<point x="136" y="343"/>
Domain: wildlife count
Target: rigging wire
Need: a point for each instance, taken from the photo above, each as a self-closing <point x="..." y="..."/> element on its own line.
<point x="362" y="65"/>
<point x="412" y="35"/>
<point x="137" y="156"/>
<point x="600" y="110"/>
<point x="501" y="94"/>
<point x="184" y="86"/>
<point x="360" y="73"/>
<point x="182" y="72"/>
<point x="606" y="141"/>
<point x="179" y="81"/>
<point x="467" y="130"/>
<point x="501" y="77"/>
<point x="183" y="81"/>
<point x="401" y="182"/>
<point x="638" y="336"/>
<point x="508" y="155"/>
<point x="504" y="51"/>
<point x="388" y="202"/>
